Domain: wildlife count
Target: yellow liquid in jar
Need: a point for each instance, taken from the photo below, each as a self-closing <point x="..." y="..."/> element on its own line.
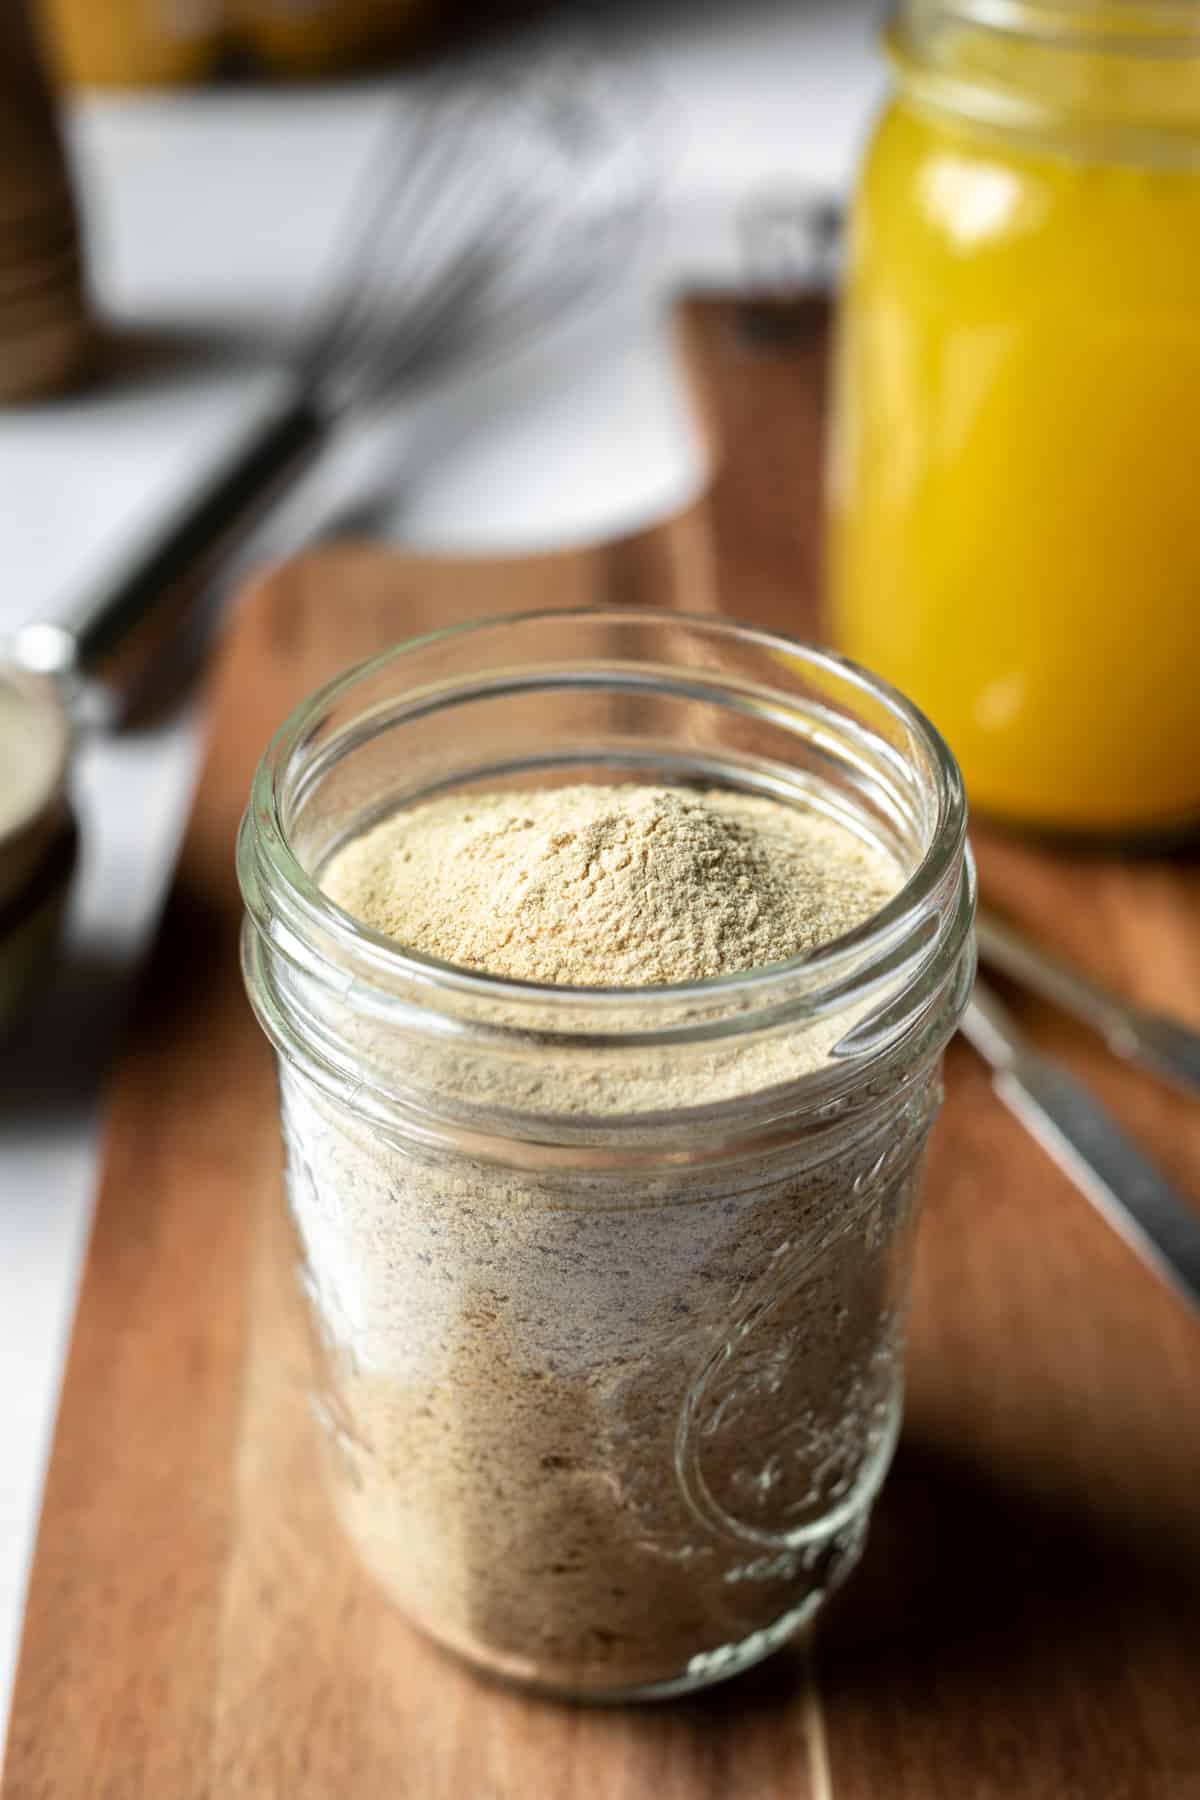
<point x="1015" y="469"/>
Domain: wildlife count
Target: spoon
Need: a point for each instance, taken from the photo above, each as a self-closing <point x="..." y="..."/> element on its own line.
<point x="37" y="829"/>
<point x="137" y="638"/>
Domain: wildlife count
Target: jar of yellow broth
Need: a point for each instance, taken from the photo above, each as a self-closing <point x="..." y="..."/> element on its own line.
<point x="1014" y="481"/>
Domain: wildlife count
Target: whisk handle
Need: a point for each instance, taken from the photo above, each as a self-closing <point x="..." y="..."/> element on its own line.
<point x="210" y="523"/>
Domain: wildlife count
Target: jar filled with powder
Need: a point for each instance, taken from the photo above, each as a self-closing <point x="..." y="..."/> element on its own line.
<point x="609" y="958"/>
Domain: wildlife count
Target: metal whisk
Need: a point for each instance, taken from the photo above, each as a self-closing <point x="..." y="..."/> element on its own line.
<point x="502" y="193"/>
<point x="500" y="198"/>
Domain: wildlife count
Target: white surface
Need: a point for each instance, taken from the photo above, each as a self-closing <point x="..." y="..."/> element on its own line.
<point x="210" y="214"/>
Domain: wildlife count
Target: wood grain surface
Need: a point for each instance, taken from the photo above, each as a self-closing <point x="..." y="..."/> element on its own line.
<point x="1025" y="1623"/>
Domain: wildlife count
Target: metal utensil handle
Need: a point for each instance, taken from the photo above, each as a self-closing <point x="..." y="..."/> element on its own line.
<point x="1108" y="1168"/>
<point x="1166" y="1046"/>
<point x="215" y="517"/>
<point x="1003" y="947"/>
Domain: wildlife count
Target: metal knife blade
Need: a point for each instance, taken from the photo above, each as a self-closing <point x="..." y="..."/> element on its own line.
<point x="1107" y="1167"/>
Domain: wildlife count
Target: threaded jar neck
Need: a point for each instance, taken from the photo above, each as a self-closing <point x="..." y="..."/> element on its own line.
<point x="609" y="694"/>
<point x="1113" y="78"/>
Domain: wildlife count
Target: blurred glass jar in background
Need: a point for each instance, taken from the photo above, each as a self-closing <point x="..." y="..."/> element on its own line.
<point x="132" y="43"/>
<point x="46" y="337"/>
<point x="153" y="43"/>
<point x="1014" y="511"/>
<point x="300" y="37"/>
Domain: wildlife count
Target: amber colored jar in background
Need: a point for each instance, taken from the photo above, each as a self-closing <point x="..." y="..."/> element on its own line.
<point x="159" y="43"/>
<point x="45" y="332"/>
<point x="289" y="37"/>
<point x="1014" y="510"/>
<point x="133" y="43"/>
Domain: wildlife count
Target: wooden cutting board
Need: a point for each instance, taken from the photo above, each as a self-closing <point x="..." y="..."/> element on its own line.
<point x="1026" y="1620"/>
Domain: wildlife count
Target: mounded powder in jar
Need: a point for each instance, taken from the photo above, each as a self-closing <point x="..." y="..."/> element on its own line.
<point x="611" y="887"/>
<point x="581" y="1426"/>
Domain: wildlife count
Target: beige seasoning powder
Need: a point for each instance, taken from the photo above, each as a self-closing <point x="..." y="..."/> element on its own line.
<point x="594" y="886"/>
<point x="515" y="1361"/>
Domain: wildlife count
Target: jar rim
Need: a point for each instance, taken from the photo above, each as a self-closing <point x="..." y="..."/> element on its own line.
<point x="308" y="913"/>
<point x="1161" y="27"/>
<point x="1121" y="98"/>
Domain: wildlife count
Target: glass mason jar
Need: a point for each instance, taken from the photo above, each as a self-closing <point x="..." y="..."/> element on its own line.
<point x="1014" y="532"/>
<point x="609" y="1285"/>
